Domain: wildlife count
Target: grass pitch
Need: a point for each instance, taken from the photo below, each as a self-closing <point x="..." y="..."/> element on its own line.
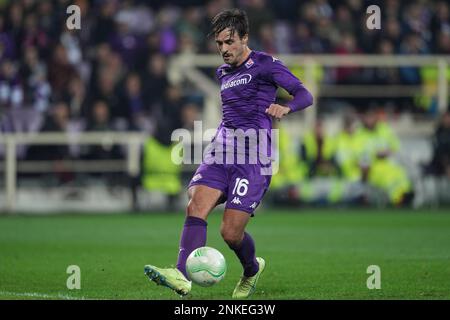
<point x="310" y="254"/>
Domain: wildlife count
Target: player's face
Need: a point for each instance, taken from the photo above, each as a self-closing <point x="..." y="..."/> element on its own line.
<point x="231" y="47"/>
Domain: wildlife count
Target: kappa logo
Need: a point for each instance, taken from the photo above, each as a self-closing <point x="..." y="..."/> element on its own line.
<point x="197" y="177"/>
<point x="274" y="59"/>
<point x="236" y="200"/>
<point x="253" y="206"/>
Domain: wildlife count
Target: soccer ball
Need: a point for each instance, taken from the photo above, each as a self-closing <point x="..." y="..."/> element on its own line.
<point x="206" y="266"/>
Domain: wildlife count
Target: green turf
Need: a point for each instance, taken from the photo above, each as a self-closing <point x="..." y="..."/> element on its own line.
<point x="309" y="255"/>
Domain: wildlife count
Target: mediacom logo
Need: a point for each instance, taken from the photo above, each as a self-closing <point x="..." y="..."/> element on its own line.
<point x="241" y="79"/>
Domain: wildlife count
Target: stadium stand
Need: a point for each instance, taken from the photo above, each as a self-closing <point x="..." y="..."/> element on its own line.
<point x="112" y="75"/>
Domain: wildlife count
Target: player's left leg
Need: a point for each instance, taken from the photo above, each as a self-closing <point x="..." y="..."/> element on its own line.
<point x="233" y="232"/>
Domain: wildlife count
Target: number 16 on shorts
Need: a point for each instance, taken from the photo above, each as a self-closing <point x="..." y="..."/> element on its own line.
<point x="240" y="187"/>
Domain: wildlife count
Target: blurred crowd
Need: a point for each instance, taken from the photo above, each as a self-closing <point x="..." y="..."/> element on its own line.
<point x="359" y="163"/>
<point x="111" y="74"/>
<point x="347" y="166"/>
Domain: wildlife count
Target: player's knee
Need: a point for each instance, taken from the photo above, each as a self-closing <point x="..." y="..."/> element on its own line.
<point x="196" y="209"/>
<point x="192" y="207"/>
<point x="231" y="237"/>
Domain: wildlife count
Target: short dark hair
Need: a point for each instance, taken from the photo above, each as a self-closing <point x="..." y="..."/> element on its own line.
<point x="234" y="19"/>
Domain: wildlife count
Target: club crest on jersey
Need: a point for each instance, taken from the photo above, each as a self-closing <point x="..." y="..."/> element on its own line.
<point x="249" y="63"/>
<point x="237" y="80"/>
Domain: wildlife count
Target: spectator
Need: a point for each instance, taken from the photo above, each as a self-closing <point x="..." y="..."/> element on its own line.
<point x="186" y="44"/>
<point x="40" y="91"/>
<point x="440" y="22"/>
<point x="443" y="43"/>
<point x="107" y="92"/>
<point x="61" y="72"/>
<point x="100" y="121"/>
<point x="190" y="112"/>
<point x="56" y="121"/>
<point x="374" y="140"/>
<point x="11" y="89"/>
<point x="155" y="80"/>
<point x="267" y="39"/>
<point x="8" y="48"/>
<point x="258" y="16"/>
<point x="36" y="37"/>
<point x="344" y="21"/>
<point x="326" y="32"/>
<point x="169" y="113"/>
<point x="168" y="38"/>
<point x="134" y="96"/>
<point x="440" y="164"/>
<point x="135" y="104"/>
<point x="77" y="98"/>
<point x="383" y="75"/>
<point x="392" y="10"/>
<point x="348" y="75"/>
<point x="47" y="18"/>
<point x="318" y="151"/>
<point x="392" y="179"/>
<point x="36" y="92"/>
<point x="346" y="150"/>
<point x="416" y="19"/>
<point x="303" y="41"/>
<point x="153" y="42"/>
<point x="412" y="44"/>
<point x="72" y="45"/>
<point x="104" y="59"/>
<point x="128" y="45"/>
<point x="190" y="25"/>
<point x="13" y="21"/>
<point x="104" y="22"/>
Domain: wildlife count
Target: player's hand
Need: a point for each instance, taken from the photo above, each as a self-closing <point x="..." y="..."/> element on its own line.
<point x="277" y="111"/>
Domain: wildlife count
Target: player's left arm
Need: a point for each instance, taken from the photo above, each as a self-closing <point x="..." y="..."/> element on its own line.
<point x="282" y="77"/>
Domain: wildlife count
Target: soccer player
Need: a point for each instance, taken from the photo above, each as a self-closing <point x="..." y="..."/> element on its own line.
<point x="249" y="80"/>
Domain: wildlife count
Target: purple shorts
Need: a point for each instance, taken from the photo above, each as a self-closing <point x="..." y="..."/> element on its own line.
<point x="243" y="186"/>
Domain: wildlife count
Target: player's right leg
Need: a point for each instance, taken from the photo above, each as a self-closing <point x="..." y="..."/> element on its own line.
<point x="202" y="199"/>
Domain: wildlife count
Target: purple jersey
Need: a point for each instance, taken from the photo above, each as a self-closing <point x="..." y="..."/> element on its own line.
<point x="249" y="89"/>
<point x="246" y="92"/>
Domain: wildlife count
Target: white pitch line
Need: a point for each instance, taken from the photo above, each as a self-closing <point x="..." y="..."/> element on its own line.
<point x="39" y="295"/>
